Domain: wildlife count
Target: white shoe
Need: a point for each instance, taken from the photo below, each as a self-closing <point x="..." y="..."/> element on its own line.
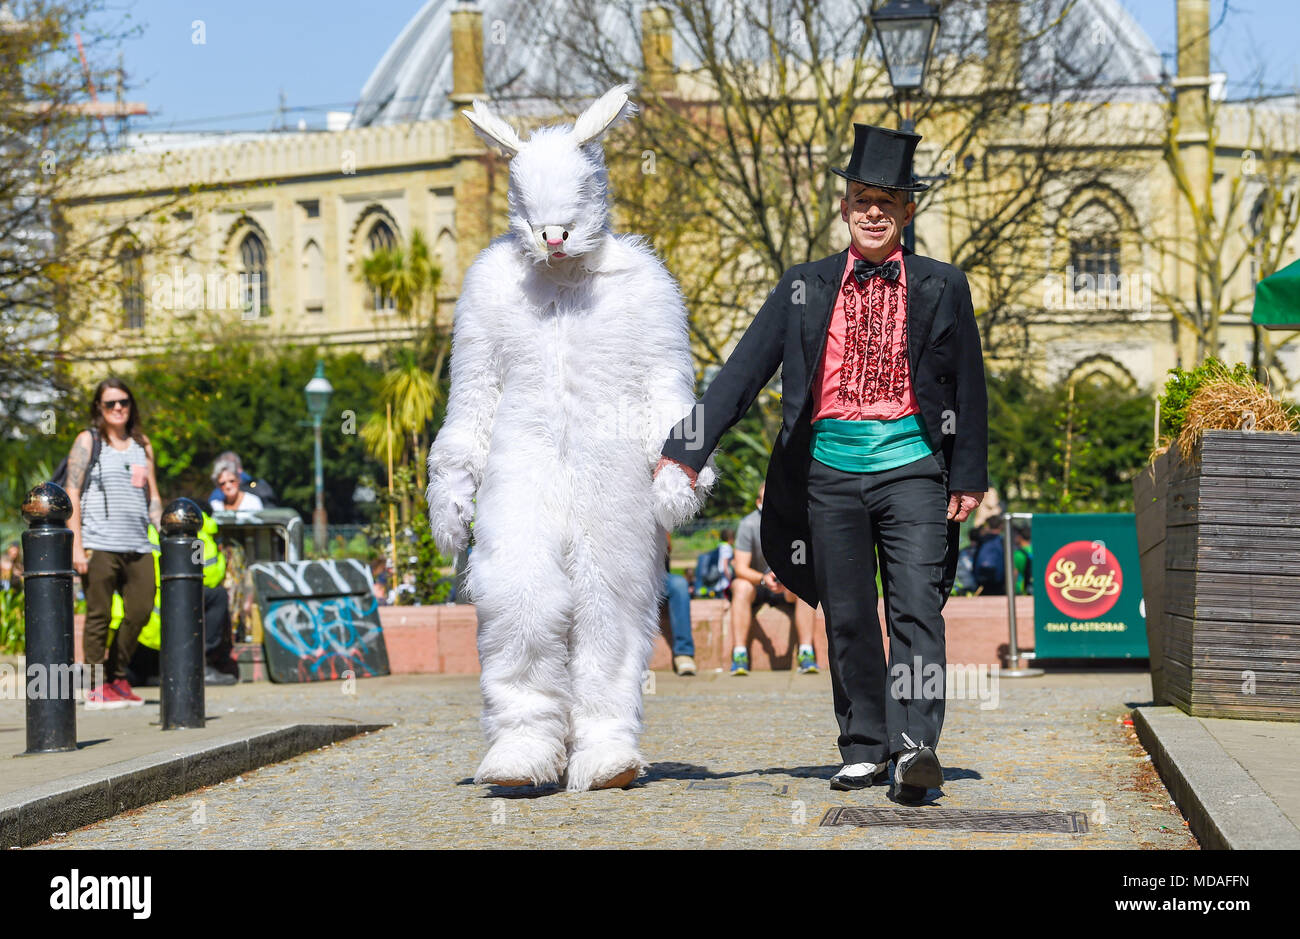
<point x="860" y="776"/>
<point x="684" y="665"/>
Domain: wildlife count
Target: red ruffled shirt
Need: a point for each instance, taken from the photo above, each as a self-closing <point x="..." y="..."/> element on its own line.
<point x="865" y="373"/>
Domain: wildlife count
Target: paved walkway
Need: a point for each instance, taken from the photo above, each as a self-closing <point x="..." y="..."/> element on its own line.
<point x="736" y="762"/>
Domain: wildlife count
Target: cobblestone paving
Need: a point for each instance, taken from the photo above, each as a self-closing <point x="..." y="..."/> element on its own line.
<point x="736" y="762"/>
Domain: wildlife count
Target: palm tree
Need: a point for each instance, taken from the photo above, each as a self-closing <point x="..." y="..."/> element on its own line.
<point x="412" y="391"/>
<point x="409" y="275"/>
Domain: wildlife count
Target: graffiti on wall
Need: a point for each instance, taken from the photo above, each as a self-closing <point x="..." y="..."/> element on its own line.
<point x="320" y="620"/>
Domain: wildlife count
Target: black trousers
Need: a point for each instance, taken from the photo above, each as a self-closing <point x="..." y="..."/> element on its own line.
<point x="897" y="518"/>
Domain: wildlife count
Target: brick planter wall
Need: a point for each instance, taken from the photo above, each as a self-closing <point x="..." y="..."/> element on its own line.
<point x="441" y="639"/>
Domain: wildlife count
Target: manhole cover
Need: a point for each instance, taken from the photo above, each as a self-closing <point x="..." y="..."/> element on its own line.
<point x="959" y="819"/>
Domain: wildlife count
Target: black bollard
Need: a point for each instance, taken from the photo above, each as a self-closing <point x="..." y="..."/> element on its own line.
<point x="47" y="609"/>
<point x="181" y="655"/>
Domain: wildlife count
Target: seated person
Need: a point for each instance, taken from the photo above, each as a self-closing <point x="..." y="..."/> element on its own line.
<point x="713" y="569"/>
<point x="754" y="584"/>
<point x="678" y="597"/>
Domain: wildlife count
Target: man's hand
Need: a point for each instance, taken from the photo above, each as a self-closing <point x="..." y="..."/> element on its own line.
<point x="666" y="461"/>
<point x="771" y="583"/>
<point x="961" y="504"/>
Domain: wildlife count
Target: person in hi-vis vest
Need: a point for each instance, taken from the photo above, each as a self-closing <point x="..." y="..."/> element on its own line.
<point x="220" y="668"/>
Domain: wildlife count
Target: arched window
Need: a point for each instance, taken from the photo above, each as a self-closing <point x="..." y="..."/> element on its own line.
<point x="1094" y="246"/>
<point x="381" y="238"/>
<point x="444" y="249"/>
<point x="313" y="268"/>
<point x="253" y="276"/>
<point x="130" y="268"/>
<point x="1257" y="243"/>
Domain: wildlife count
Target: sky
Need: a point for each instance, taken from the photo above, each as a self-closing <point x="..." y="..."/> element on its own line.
<point x="319" y="53"/>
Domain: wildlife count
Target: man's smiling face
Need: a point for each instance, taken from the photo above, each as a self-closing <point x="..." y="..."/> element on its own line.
<point x="876" y="218"/>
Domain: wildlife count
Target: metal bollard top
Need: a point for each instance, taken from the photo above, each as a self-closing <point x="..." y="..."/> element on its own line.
<point x="47" y="505"/>
<point x="182" y="517"/>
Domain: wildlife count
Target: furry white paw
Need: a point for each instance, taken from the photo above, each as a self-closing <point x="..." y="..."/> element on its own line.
<point x="595" y="768"/>
<point x="522" y="760"/>
<point x="450" y="512"/>
<point x="675" y="501"/>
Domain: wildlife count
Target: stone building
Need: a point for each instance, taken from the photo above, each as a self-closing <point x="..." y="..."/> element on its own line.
<point x="271" y="229"/>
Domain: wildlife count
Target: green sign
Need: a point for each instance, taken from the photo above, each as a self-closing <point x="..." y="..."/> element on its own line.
<point x="1087" y="587"/>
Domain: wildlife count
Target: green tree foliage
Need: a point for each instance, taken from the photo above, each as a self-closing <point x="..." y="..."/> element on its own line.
<point x="1109" y="430"/>
<point x="742" y="466"/>
<point x="241" y="396"/>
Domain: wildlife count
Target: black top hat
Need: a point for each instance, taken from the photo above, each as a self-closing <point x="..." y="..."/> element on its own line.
<point x="883" y="158"/>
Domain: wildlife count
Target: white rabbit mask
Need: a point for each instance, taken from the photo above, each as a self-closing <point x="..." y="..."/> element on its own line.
<point x="559" y="195"/>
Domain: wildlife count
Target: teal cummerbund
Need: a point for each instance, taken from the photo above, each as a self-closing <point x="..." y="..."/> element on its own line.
<point x="869" y="446"/>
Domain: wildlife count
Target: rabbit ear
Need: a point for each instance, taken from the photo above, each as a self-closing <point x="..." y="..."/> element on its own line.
<point x="494" y="131"/>
<point x="606" y="111"/>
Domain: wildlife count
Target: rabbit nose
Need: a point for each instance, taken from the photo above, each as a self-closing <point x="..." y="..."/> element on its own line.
<point x="554" y="235"/>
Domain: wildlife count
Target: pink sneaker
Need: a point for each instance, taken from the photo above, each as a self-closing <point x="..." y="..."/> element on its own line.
<point x="123" y="689"/>
<point x="104" y="698"/>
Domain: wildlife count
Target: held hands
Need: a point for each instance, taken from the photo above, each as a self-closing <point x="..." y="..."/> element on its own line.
<point x="679" y="491"/>
<point x="665" y="461"/>
<point x="961" y="504"/>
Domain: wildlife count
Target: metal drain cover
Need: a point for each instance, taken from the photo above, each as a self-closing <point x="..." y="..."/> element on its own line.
<point x="959" y="819"/>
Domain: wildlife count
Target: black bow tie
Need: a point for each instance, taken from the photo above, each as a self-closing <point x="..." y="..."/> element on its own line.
<point x="864" y="270"/>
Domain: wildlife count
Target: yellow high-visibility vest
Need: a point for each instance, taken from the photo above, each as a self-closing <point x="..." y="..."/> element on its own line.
<point x="214" y="573"/>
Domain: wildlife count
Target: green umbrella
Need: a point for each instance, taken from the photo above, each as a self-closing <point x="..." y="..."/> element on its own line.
<point x="1277" y="299"/>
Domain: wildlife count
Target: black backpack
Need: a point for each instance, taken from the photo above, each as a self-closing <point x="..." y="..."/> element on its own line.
<point x="262" y="489"/>
<point x="60" y="477"/>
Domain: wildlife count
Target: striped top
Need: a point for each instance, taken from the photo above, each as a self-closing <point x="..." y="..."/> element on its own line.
<point x="125" y="525"/>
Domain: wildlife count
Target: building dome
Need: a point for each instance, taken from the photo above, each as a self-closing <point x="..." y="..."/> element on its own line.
<point x="1098" y="44"/>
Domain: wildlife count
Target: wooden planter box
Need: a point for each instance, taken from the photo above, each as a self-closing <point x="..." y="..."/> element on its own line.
<point x="1222" y="581"/>
<point x="1150" y="504"/>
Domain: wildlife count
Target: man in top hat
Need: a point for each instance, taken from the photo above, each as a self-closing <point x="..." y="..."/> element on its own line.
<point x="882" y="453"/>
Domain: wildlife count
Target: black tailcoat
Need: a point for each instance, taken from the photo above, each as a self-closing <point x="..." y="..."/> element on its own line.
<point x="947" y="370"/>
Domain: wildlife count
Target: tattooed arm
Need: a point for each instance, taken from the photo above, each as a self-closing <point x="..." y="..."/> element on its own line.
<point x="78" y="464"/>
<point x="155" y="497"/>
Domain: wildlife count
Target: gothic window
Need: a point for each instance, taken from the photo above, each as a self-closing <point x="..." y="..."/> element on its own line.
<point x="253" y="281"/>
<point x="1095" y="249"/>
<point x="381" y="238"/>
<point x="1257" y="243"/>
<point x="1094" y="245"/>
<point x="130" y="266"/>
<point x="313" y="267"/>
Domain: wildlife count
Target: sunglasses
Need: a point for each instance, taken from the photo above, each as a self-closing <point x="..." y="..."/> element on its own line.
<point x="116" y="403"/>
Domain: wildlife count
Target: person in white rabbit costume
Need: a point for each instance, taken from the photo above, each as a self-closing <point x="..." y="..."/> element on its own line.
<point x="570" y="362"/>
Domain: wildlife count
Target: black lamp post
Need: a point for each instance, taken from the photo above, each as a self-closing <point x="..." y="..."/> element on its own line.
<point x="318" y="393"/>
<point x="907" y="29"/>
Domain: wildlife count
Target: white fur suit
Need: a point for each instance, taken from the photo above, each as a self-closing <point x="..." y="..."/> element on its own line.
<point x="570" y="363"/>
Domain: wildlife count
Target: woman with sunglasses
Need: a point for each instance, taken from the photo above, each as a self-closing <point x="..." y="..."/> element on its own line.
<point x="114" y="500"/>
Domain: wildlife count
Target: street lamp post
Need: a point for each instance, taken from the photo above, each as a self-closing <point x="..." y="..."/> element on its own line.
<point x="907" y="29"/>
<point x="318" y="393"/>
